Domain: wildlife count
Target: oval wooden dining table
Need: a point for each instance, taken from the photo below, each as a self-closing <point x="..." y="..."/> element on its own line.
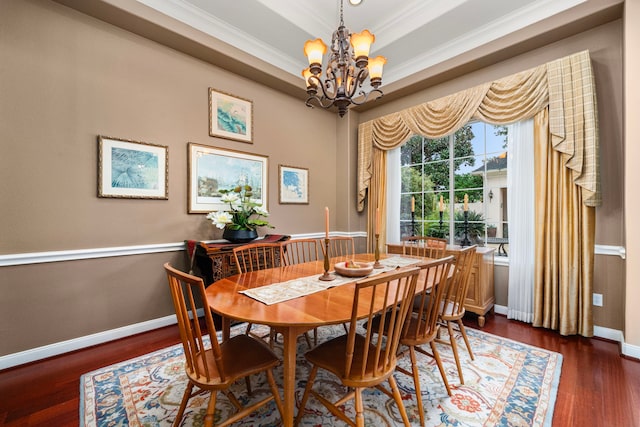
<point x="290" y="318"/>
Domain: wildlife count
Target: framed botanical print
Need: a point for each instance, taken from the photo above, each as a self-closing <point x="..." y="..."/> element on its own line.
<point x="230" y="117"/>
<point x="293" y="186"/>
<point x="132" y="169"/>
<point x="212" y="169"/>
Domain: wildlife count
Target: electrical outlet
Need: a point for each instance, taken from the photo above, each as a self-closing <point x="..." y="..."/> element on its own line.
<point x="597" y="300"/>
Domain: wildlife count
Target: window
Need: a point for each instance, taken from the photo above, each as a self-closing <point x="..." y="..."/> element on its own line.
<point x="471" y="162"/>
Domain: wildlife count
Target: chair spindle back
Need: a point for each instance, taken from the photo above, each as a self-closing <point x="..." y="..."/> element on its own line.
<point x="390" y="296"/>
<point x="186" y="290"/>
<point x="257" y="256"/>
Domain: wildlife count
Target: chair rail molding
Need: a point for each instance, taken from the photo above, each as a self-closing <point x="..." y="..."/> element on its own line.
<point x="79" y="254"/>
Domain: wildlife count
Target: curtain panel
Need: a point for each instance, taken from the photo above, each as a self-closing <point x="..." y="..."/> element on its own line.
<point x="566" y="89"/>
<point x="565" y="85"/>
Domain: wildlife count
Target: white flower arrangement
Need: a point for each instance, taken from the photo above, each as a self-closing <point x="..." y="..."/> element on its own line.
<point x="244" y="213"/>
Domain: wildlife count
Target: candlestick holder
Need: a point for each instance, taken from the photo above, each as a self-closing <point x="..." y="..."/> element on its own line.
<point x="376" y="253"/>
<point x="440" y="228"/>
<point x="326" y="276"/>
<point x="413" y="224"/>
<point x="466" y="241"/>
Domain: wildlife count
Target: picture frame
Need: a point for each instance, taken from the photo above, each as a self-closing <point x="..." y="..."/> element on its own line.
<point x="230" y="117"/>
<point x="131" y="169"/>
<point x="293" y="185"/>
<point x="211" y="169"/>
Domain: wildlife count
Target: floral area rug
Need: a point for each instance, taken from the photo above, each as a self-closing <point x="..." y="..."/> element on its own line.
<point x="508" y="384"/>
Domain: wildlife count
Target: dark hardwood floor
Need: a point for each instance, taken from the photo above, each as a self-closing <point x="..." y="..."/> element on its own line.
<point x="597" y="386"/>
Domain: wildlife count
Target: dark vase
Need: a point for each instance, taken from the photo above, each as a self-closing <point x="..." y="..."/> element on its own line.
<point x="239" y="236"/>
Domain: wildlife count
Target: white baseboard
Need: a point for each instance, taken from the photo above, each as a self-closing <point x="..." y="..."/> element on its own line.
<point x="501" y="309"/>
<point x="58" y="348"/>
<point x="598" y="331"/>
<point x="609" y="334"/>
<point x="631" y="350"/>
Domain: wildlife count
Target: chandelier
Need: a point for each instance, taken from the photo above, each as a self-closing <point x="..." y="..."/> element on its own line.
<point x="348" y="68"/>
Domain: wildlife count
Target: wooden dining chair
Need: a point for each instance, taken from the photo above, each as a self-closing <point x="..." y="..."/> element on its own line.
<point x="426" y="246"/>
<point x="253" y="257"/>
<point x="339" y="246"/>
<point x="298" y="251"/>
<point x="452" y="306"/>
<point x="364" y="361"/>
<point x="216" y="366"/>
<point x="256" y="256"/>
<point x="422" y="324"/>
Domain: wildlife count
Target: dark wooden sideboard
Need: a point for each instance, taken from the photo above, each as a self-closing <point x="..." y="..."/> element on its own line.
<point x="481" y="295"/>
<point x="215" y="259"/>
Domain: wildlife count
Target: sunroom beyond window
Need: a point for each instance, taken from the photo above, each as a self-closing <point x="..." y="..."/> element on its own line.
<point x="472" y="161"/>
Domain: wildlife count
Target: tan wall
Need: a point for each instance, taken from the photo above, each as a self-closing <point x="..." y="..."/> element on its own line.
<point x="66" y="78"/>
<point x="632" y="175"/>
<point x="605" y="46"/>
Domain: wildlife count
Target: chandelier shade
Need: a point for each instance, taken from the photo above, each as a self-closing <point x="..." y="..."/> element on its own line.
<point x="347" y="69"/>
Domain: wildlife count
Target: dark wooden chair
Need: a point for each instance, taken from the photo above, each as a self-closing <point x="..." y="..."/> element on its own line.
<point x="364" y="361"/>
<point x="217" y="366"/>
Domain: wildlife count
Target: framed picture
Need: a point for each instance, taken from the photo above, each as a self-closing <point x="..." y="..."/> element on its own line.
<point x="293" y="185"/>
<point x="212" y="169"/>
<point x="230" y="117"/>
<point x="132" y="169"/>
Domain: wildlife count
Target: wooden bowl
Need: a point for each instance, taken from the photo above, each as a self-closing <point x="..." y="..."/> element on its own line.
<point x="363" y="269"/>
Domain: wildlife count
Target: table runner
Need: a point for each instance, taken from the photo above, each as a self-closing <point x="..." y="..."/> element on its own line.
<point x="302" y="286"/>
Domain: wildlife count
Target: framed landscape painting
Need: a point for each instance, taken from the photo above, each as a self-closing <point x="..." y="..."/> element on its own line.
<point x="213" y="169"/>
<point x="230" y="117"/>
<point x="132" y="169"/>
<point x="293" y="187"/>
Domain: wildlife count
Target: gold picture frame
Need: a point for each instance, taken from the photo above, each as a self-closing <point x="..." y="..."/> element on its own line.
<point x="131" y="169"/>
<point x="211" y="169"/>
<point x="230" y="117"/>
<point x="293" y="185"/>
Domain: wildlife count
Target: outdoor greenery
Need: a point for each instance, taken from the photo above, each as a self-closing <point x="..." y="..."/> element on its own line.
<point x="425" y="171"/>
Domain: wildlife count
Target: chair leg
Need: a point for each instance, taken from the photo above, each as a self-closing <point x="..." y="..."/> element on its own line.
<point x="454" y="348"/>
<point x="416" y="383"/>
<point x="305" y="396"/>
<point x="183" y="405"/>
<point x="276" y="394"/>
<point x="306" y="337"/>
<point x="247" y="380"/>
<point x="463" y="331"/>
<point x="436" y="355"/>
<point x="359" y="407"/>
<point x="398" y="399"/>
<point x="211" y="410"/>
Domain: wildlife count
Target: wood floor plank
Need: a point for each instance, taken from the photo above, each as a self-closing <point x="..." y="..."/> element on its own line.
<point x="598" y="387"/>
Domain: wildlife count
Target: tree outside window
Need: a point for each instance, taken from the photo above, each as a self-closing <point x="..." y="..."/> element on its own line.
<point x="477" y="168"/>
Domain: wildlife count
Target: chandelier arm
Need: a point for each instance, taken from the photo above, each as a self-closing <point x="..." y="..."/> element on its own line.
<point x="366" y="96"/>
<point x="321" y="85"/>
<point x="357" y="82"/>
<point x="318" y="100"/>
